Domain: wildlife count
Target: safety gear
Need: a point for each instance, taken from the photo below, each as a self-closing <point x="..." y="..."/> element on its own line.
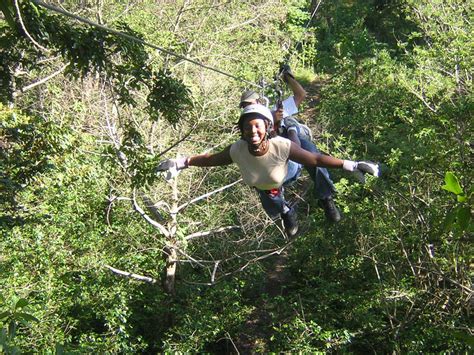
<point x="368" y="167"/>
<point x="290" y="222"/>
<point x="258" y="111"/>
<point x="330" y="210"/>
<point x="249" y="97"/>
<point x="172" y="167"/>
<point x="360" y="168"/>
<point x="286" y="71"/>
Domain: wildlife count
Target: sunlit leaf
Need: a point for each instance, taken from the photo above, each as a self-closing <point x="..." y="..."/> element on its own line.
<point x="452" y="183"/>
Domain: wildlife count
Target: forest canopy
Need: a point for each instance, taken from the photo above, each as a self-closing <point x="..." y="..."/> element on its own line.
<point x="100" y="253"/>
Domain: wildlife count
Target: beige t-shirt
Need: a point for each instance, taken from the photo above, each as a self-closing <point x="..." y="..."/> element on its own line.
<point x="265" y="172"/>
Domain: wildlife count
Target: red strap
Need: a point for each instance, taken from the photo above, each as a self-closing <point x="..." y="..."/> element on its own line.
<point x="274" y="192"/>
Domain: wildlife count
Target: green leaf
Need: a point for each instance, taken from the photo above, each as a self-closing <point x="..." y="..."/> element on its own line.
<point x="27" y="317"/>
<point x="59" y="348"/>
<point x="461" y="198"/>
<point x="4" y="315"/>
<point x="464" y="217"/>
<point x="11" y="330"/>
<point x="449" y="220"/>
<point x="452" y="183"/>
<point x="466" y="337"/>
<point x="22" y="302"/>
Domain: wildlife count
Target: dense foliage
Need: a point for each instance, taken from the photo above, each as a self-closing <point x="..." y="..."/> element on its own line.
<point x="82" y="204"/>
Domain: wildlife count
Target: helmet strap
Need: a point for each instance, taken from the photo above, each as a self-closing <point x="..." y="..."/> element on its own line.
<point x="260" y="147"/>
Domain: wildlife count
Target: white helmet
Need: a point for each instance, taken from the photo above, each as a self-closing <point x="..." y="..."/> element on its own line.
<point x="258" y="111"/>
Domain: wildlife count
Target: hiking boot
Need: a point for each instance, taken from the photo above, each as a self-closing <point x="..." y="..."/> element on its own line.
<point x="290" y="222"/>
<point x="330" y="210"/>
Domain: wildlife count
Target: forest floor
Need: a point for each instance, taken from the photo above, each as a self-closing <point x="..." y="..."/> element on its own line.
<point x="259" y="323"/>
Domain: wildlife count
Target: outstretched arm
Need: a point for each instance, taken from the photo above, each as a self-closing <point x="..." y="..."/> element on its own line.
<point x="307" y="158"/>
<point x="218" y="159"/>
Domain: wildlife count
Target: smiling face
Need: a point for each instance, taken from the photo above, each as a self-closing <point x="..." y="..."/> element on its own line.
<point x="254" y="130"/>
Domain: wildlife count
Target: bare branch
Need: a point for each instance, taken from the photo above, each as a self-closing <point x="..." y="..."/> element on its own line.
<point x="206" y="195"/>
<point x="49" y="59"/>
<point x="26" y="31"/>
<point x="422" y="98"/>
<point x="131" y="275"/>
<point x="468" y="290"/>
<point x="153" y="207"/>
<point x="111" y="200"/>
<point x="242" y="24"/>
<point x="213" y="276"/>
<point x="150" y="220"/>
<point x="178" y="141"/>
<point x="204" y="234"/>
<point x="42" y="81"/>
<point x="188" y="256"/>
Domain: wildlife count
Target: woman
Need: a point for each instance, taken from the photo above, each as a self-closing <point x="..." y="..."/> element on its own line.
<point x="267" y="164"/>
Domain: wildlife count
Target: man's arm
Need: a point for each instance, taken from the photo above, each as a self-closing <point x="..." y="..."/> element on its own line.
<point x="292" y="134"/>
<point x="298" y="92"/>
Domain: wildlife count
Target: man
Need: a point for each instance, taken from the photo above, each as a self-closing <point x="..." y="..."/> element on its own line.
<point x="286" y="126"/>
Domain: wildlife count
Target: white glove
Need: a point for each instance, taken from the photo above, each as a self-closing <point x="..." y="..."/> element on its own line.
<point x="172" y="167"/>
<point x="359" y="168"/>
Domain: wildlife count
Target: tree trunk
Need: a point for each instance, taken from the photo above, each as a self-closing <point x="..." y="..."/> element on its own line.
<point x="169" y="281"/>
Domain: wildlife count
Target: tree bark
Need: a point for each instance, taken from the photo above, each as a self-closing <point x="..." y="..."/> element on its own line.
<point x="170" y="277"/>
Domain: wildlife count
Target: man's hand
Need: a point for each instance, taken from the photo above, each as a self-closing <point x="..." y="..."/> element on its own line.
<point x="172" y="167"/>
<point x="286" y="72"/>
<point x="277" y="116"/>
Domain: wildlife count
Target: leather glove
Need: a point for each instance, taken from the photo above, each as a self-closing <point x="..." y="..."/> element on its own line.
<point x="172" y="167"/>
<point x="286" y="71"/>
<point x="360" y="168"/>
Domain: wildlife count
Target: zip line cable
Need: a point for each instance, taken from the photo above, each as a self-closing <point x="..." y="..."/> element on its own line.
<point x="306" y="27"/>
<point x="276" y="82"/>
<point x="135" y="39"/>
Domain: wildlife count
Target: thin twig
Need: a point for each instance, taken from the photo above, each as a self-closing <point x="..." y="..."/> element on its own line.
<point x="42" y="81"/>
<point x="203" y="234"/>
<point x="213" y="276"/>
<point x="178" y="141"/>
<point x="206" y="195"/>
<point x="26" y="31"/>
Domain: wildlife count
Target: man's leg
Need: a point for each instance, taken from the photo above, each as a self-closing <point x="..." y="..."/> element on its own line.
<point x="323" y="185"/>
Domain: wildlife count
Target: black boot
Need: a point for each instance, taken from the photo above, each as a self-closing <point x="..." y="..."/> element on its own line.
<point x="330" y="210"/>
<point x="290" y="222"/>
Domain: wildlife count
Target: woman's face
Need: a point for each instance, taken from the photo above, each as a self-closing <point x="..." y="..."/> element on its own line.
<point x="254" y="130"/>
